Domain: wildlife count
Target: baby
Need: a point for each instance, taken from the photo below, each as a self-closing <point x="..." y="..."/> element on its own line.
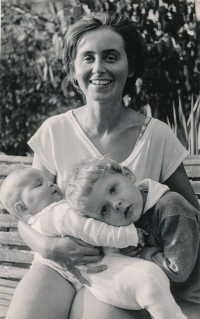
<point x="29" y="196"/>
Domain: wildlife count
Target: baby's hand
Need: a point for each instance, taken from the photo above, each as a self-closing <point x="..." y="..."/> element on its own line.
<point x="141" y="236"/>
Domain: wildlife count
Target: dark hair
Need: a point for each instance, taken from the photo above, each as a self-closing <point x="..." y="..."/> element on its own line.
<point x="117" y="22"/>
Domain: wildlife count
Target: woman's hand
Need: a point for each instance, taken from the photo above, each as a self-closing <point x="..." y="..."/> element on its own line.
<point x="75" y="251"/>
<point x="70" y="252"/>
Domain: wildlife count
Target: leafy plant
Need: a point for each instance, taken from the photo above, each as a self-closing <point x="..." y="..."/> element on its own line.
<point x="187" y="130"/>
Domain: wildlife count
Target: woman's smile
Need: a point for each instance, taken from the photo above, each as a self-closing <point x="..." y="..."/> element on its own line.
<point x="100" y="82"/>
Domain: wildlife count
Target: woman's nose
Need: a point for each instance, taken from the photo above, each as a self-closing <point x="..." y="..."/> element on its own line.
<point x="98" y="67"/>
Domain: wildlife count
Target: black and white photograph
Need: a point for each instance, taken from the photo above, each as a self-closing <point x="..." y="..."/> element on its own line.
<point x="100" y="159"/>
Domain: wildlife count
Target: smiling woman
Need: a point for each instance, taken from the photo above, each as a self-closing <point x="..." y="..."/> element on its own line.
<point x="104" y="57"/>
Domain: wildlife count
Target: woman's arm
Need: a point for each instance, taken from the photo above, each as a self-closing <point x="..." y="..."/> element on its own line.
<point x="62" y="250"/>
<point x="179" y="182"/>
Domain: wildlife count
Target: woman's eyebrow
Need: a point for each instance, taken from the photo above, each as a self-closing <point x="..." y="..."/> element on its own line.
<point x="107" y="51"/>
<point x="87" y="52"/>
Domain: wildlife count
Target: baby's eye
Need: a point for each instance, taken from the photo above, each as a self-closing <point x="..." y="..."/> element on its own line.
<point x="38" y="184"/>
<point x="104" y="210"/>
<point x="113" y="189"/>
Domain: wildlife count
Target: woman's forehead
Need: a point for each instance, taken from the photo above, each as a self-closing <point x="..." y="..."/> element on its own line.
<point x="104" y="38"/>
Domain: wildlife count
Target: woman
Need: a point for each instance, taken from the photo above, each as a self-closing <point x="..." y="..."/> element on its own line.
<point x="104" y="55"/>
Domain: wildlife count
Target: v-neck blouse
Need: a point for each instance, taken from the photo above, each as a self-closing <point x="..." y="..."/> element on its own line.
<point x="60" y="143"/>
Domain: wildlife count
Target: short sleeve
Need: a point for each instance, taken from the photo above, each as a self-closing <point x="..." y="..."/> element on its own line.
<point x="42" y="145"/>
<point x="173" y="151"/>
<point x="157" y="155"/>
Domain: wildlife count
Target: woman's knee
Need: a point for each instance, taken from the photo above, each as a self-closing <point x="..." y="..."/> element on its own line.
<point x="86" y="306"/>
<point x="43" y="294"/>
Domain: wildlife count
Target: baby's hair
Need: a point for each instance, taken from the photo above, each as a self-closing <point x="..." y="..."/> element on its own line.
<point x="83" y="177"/>
<point x="9" y="193"/>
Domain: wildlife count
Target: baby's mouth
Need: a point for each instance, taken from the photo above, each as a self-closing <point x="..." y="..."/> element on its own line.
<point x="127" y="210"/>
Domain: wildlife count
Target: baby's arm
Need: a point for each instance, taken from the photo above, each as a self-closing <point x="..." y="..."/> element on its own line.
<point x="63" y="221"/>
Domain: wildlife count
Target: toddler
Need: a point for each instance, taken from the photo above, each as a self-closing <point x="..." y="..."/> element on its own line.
<point x="29" y="196"/>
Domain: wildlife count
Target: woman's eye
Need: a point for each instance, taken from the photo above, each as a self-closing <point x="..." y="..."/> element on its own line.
<point x="104" y="211"/>
<point x="88" y="58"/>
<point x="110" y="58"/>
<point x="113" y="189"/>
<point x="38" y="184"/>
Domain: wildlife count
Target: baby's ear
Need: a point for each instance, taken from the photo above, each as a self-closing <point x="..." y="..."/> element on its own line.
<point x="21" y="210"/>
<point x="127" y="172"/>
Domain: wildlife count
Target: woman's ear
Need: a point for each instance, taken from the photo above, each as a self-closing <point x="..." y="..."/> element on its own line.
<point x="127" y="172"/>
<point x="130" y="73"/>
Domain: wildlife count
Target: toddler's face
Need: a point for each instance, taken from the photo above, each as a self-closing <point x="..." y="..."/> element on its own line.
<point x="38" y="192"/>
<point x="114" y="200"/>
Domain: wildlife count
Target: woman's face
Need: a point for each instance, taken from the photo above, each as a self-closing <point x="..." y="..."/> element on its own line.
<point x="101" y="65"/>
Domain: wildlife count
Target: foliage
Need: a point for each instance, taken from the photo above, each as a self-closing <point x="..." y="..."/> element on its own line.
<point x="34" y="84"/>
<point x="187" y="130"/>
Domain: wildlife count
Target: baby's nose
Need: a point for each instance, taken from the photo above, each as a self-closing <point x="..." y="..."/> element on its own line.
<point x="49" y="184"/>
<point x="118" y="206"/>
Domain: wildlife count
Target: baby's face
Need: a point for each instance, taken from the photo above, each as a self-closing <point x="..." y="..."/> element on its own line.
<point x="37" y="192"/>
<point x="114" y="200"/>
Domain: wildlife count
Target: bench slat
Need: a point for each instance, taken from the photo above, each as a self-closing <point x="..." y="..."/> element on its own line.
<point x="192" y="160"/>
<point x="193" y="171"/>
<point x="16" y="256"/>
<point x="7" y="221"/>
<point x="196" y="187"/>
<point x="8" y="291"/>
<point x="4" y="302"/>
<point x="11" y="238"/>
<point x="6" y="297"/>
<point x="11" y="159"/>
<point x="13" y="273"/>
<point x="8" y="283"/>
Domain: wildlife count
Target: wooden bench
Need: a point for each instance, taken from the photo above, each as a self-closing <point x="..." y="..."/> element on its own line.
<point x="16" y="257"/>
